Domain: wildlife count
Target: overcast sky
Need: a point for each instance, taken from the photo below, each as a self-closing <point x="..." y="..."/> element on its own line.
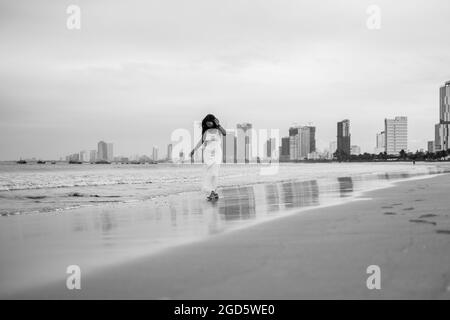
<point x="137" y="70"/>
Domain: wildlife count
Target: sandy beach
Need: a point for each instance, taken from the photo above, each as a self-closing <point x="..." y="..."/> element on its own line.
<point x="319" y="253"/>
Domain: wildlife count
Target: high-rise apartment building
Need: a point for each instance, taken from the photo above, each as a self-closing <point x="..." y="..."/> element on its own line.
<point x="244" y="143"/>
<point x="343" y="138"/>
<point x="396" y="135"/>
<point x="302" y="141"/>
<point x="229" y="147"/>
<point x="442" y="132"/>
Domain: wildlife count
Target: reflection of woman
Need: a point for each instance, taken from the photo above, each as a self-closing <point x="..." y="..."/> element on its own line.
<point x="211" y="139"/>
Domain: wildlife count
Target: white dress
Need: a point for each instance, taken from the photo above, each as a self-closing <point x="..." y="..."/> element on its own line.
<point x="212" y="157"/>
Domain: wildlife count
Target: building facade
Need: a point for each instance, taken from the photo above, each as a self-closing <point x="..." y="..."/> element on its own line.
<point x="243" y="142"/>
<point x="441" y="137"/>
<point x="302" y="141"/>
<point x="343" y="138"/>
<point x="229" y="147"/>
<point x="380" y="143"/>
<point x="396" y="135"/>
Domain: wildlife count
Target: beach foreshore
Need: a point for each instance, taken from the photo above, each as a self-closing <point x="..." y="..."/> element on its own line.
<point x="321" y="253"/>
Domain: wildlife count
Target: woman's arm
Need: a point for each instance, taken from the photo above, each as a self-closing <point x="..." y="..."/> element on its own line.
<point x="200" y="142"/>
<point x="222" y="130"/>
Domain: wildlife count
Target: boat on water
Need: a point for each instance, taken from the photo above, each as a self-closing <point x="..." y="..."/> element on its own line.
<point x="41" y="162"/>
<point x="21" y="161"/>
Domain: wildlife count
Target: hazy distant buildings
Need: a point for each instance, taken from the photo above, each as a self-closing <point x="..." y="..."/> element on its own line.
<point x="84" y="156"/>
<point x="102" y="151"/>
<point x="155" y="153"/>
<point x="169" y="152"/>
<point x="333" y="147"/>
<point x="442" y="132"/>
<point x="380" y="143"/>
<point x="109" y="152"/>
<point x="355" y="150"/>
<point x="396" y="135"/>
<point x="92" y="155"/>
<point x="105" y="151"/>
<point x="343" y="138"/>
<point x="243" y="143"/>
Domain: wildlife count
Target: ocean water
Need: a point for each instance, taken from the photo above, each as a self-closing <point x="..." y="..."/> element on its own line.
<point x="133" y="211"/>
<point x="34" y="188"/>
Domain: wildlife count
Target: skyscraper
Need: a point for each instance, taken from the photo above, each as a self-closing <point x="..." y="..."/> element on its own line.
<point x="343" y="139"/>
<point x="396" y="135"/>
<point x="302" y="141"/>
<point x="293" y="144"/>
<point x="442" y="131"/>
<point x="155" y="153"/>
<point x="284" y="149"/>
<point x="244" y="143"/>
<point x="229" y="147"/>
<point x="102" y="151"/>
<point x="169" y="152"/>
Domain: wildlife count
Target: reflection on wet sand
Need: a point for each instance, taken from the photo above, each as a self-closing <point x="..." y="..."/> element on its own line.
<point x="345" y="186"/>
<point x="123" y="231"/>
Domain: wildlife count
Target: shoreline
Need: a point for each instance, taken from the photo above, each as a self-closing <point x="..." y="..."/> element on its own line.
<point x="288" y="257"/>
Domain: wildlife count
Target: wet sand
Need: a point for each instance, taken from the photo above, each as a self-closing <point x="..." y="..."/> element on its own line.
<point x="321" y="253"/>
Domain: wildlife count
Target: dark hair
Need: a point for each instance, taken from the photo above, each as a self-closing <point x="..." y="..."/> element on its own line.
<point x="209" y="117"/>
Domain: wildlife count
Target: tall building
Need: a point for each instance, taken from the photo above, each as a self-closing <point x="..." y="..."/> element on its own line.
<point x="302" y="141"/>
<point x="169" y="152"/>
<point x="380" y="143"/>
<point x="105" y="151"/>
<point x="293" y="144"/>
<point x="229" y="147"/>
<point x="307" y="141"/>
<point x="396" y="135"/>
<point x="442" y="132"/>
<point x="444" y="103"/>
<point x="244" y="143"/>
<point x="155" y="153"/>
<point x="284" y="149"/>
<point x="102" y="151"/>
<point x="343" y="138"/>
<point x="109" y="152"/>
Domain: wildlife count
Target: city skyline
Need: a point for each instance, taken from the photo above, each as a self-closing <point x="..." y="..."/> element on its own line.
<point x="296" y="61"/>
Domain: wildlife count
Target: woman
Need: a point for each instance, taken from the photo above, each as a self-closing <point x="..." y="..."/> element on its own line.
<point x="211" y="139"/>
